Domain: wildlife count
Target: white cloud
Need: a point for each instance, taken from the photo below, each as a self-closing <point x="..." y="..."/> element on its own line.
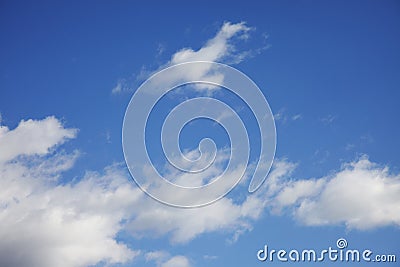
<point x="76" y="223"/>
<point x="297" y="117"/>
<point x="220" y="48"/>
<point x="45" y="224"/>
<point x="282" y="116"/>
<point x="71" y="225"/>
<point x="362" y="195"/>
<point x="122" y="86"/>
<point x="33" y="137"/>
<point x="160" y="49"/>
<point x="183" y="225"/>
<point x="298" y="190"/>
<point x="216" y="49"/>
<point x="164" y="259"/>
<point x="177" y="261"/>
<point x="156" y="256"/>
<point x="229" y="215"/>
<point x="117" y="89"/>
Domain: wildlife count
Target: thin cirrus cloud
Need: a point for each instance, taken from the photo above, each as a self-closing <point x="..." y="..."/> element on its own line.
<point x="283" y="116"/>
<point x="164" y="259"/>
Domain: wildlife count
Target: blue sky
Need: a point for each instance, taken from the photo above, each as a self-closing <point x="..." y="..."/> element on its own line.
<point x="329" y="71"/>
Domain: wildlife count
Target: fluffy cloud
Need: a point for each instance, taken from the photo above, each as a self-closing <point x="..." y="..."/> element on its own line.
<point x="75" y="224"/>
<point x="44" y="223"/>
<point x="155" y="219"/>
<point x="33" y="137"/>
<point x="362" y="195"/>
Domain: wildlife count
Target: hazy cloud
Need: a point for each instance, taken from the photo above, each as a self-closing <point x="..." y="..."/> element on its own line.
<point x="122" y="86"/>
<point x="328" y="119"/>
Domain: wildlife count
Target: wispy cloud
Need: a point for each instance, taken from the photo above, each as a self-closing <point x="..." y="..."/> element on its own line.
<point x="164" y="259"/>
<point x="160" y="49"/>
<point x="177" y="261"/>
<point x="297" y="117"/>
<point x="329" y="119"/>
<point x="220" y="48"/>
<point x="349" y="147"/>
<point x="367" y="138"/>
<point x="122" y="86"/>
<point x="283" y="116"/>
<point x="210" y="257"/>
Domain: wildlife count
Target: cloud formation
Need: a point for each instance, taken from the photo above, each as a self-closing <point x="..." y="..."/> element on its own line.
<point x="220" y="48"/>
<point x="122" y="86"/>
<point x="33" y="137"/>
<point x="164" y="259"/>
<point x="44" y="223"/>
<point x="361" y="195"/>
<point x="182" y="225"/>
<point x="76" y="223"/>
